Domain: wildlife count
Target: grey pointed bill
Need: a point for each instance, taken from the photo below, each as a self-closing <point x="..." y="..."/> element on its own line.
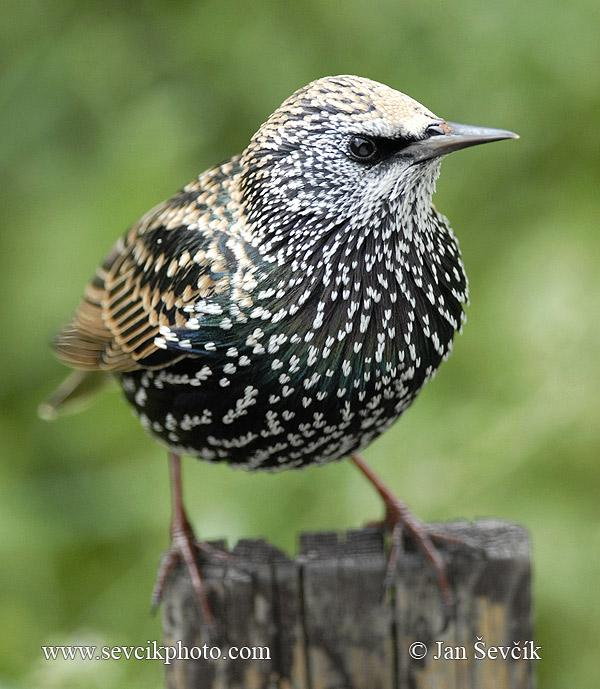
<point x="452" y="137"/>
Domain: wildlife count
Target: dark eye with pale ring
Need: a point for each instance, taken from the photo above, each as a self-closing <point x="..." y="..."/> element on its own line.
<point x="363" y="149"/>
<point x="438" y="129"/>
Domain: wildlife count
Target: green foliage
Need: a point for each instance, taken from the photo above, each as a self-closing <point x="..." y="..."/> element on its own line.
<point x="106" y="108"/>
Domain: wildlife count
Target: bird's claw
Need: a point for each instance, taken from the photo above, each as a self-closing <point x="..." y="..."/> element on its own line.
<point x="183" y="548"/>
<point x="399" y="520"/>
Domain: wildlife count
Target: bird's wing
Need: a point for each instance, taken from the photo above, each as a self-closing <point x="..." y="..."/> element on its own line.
<point x="171" y="258"/>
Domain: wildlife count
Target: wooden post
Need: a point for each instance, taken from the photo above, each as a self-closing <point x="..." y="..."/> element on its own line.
<point x="326" y="624"/>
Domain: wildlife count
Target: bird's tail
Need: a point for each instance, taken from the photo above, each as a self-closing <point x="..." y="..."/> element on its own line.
<point x="72" y="394"/>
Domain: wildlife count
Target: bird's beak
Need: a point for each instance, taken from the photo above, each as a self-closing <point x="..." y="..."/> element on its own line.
<point x="451" y="136"/>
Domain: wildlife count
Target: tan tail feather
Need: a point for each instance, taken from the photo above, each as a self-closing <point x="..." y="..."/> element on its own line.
<point x="72" y="394"/>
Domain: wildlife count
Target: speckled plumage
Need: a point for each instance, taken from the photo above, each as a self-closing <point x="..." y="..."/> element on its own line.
<point x="286" y="307"/>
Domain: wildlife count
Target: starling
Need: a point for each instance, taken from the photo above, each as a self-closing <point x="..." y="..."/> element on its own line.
<point x="284" y="308"/>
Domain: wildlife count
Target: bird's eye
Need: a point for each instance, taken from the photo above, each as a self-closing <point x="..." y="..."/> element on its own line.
<point x="362" y="149"/>
<point x="437" y="129"/>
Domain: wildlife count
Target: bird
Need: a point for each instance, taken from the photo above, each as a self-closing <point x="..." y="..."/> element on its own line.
<point x="284" y="308"/>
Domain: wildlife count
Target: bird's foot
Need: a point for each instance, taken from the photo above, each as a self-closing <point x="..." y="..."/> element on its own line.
<point x="399" y="520"/>
<point x="184" y="548"/>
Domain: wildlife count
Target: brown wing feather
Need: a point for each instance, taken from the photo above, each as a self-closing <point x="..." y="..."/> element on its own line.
<point x="164" y="262"/>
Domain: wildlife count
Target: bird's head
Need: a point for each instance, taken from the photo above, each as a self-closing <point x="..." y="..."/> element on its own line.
<point x="341" y="147"/>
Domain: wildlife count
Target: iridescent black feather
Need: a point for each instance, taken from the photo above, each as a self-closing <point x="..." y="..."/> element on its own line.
<point x="286" y="307"/>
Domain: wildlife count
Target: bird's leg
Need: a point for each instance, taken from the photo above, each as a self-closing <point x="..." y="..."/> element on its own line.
<point x="183" y="545"/>
<point x="399" y="517"/>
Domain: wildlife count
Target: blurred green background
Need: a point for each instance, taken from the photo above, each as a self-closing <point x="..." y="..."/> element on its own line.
<point x="107" y="108"/>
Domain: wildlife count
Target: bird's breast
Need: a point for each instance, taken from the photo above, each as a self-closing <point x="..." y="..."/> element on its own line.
<point x="306" y="387"/>
<point x="327" y="350"/>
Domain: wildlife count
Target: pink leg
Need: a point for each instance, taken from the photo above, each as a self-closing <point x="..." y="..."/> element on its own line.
<point x="183" y="545"/>
<point x="397" y="517"/>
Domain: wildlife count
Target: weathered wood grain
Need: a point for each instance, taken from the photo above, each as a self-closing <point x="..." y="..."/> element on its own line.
<point x="327" y="625"/>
